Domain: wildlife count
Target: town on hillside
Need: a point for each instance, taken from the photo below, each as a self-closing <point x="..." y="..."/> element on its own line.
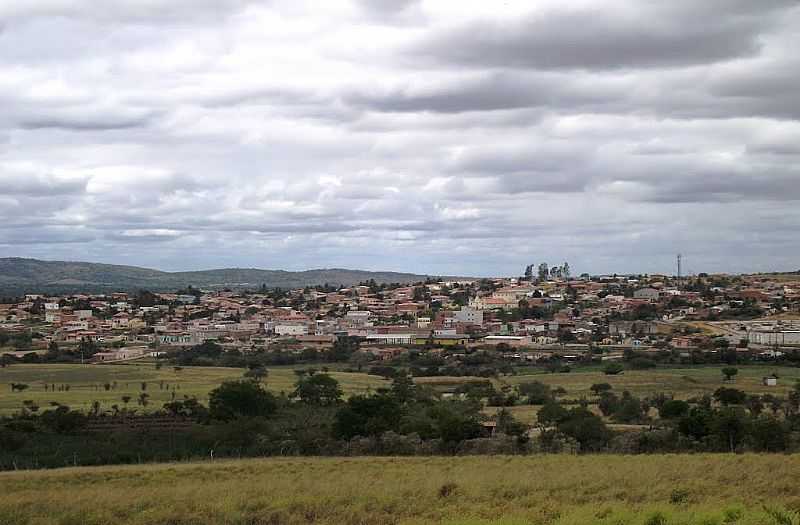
<point x="435" y="327"/>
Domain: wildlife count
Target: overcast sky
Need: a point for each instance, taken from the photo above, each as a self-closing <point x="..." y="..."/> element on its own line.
<point x="443" y="137"/>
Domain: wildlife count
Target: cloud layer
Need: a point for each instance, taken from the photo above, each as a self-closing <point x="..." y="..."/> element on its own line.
<point x="431" y="136"/>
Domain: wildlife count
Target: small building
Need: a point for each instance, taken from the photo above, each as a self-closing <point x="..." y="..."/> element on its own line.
<point x="770" y="380"/>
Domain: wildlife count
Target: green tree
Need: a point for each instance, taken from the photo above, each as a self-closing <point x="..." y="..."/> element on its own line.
<point x="318" y="389"/>
<point x="367" y="416"/>
<point x="729" y="372"/>
<point x="403" y="387"/>
<point x="673" y="409"/>
<point x="585" y="428"/>
<point x="256" y="373"/>
<point x="234" y="399"/>
<point x="535" y="392"/>
<point x="629" y="410"/>
<point x="729" y="426"/>
<point x="551" y="413"/>
<point x="730" y="396"/>
<point x="599" y="388"/>
<point x="343" y="348"/>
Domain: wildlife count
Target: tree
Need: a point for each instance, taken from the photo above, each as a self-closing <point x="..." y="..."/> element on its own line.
<point x="509" y="426"/>
<point x="256" y="373"/>
<point x="730" y="396"/>
<point x="696" y="424"/>
<point x="551" y="414"/>
<point x="673" y="409"/>
<point x="728" y="425"/>
<point x="52" y="350"/>
<point x="565" y="271"/>
<point x="318" y="389"/>
<point x="143" y="398"/>
<point x="403" y="387"/>
<point x="768" y="434"/>
<point x="367" y="416"/>
<point x="598" y="388"/>
<point x="641" y="363"/>
<point x="729" y="372"/>
<point x="234" y="399"/>
<point x="87" y="348"/>
<point x="628" y="410"/>
<point x="343" y="348"/>
<point x="608" y="403"/>
<point x="585" y="428"/>
<point x="612" y="369"/>
<point x="536" y="392"/>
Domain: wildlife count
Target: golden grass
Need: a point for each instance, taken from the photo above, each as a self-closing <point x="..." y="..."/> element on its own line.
<point x="501" y="490"/>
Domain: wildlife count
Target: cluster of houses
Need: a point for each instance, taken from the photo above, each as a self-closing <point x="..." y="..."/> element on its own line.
<point x="537" y="315"/>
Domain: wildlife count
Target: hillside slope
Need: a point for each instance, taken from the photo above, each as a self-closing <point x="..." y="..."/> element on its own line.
<point x="490" y="490"/>
<point x="19" y="275"/>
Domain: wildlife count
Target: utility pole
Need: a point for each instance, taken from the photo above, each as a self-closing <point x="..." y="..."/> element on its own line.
<point x="679" y="266"/>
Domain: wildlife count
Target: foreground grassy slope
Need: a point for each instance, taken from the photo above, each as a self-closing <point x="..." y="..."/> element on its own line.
<point x="86" y="383"/>
<point x="559" y="490"/>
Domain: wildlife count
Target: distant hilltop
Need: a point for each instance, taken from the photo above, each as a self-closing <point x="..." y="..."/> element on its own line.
<point x="18" y="276"/>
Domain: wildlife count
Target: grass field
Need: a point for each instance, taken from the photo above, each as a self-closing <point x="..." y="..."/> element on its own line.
<point x="682" y="382"/>
<point x="499" y="490"/>
<point x="86" y="383"/>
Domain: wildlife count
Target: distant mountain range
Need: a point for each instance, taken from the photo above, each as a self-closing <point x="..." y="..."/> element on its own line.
<point x="19" y="276"/>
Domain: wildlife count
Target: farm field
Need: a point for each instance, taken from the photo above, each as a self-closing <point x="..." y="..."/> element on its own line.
<point x="497" y="490"/>
<point x="86" y="383"/>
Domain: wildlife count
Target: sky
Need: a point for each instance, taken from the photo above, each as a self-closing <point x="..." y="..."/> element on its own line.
<point x="442" y="137"/>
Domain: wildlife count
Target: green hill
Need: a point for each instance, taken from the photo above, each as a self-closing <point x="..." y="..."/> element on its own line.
<point x="19" y="276"/>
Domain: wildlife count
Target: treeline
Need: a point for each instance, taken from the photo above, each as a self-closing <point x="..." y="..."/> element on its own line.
<point x="244" y="419"/>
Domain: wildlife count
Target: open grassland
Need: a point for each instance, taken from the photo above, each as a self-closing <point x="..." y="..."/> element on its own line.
<point x="86" y="383"/>
<point x="682" y="382"/>
<point x="499" y="490"/>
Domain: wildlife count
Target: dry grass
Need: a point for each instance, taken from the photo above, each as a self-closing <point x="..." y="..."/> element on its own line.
<point x="501" y="490"/>
<point x="682" y="382"/>
<point x="190" y="381"/>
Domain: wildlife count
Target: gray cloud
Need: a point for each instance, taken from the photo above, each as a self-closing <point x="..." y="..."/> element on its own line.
<point x="421" y="136"/>
<point x="604" y="38"/>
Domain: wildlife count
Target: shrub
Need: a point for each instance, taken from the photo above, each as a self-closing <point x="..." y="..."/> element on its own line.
<point x="657" y="518"/>
<point x="447" y="490"/>
<point x="679" y="496"/>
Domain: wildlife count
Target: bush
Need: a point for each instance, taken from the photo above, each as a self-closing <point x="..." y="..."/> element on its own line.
<point x="679" y="496"/>
<point x="612" y="369"/>
<point x="673" y="408"/>
<point x="657" y="518"/>
<point x="447" y="490"/>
